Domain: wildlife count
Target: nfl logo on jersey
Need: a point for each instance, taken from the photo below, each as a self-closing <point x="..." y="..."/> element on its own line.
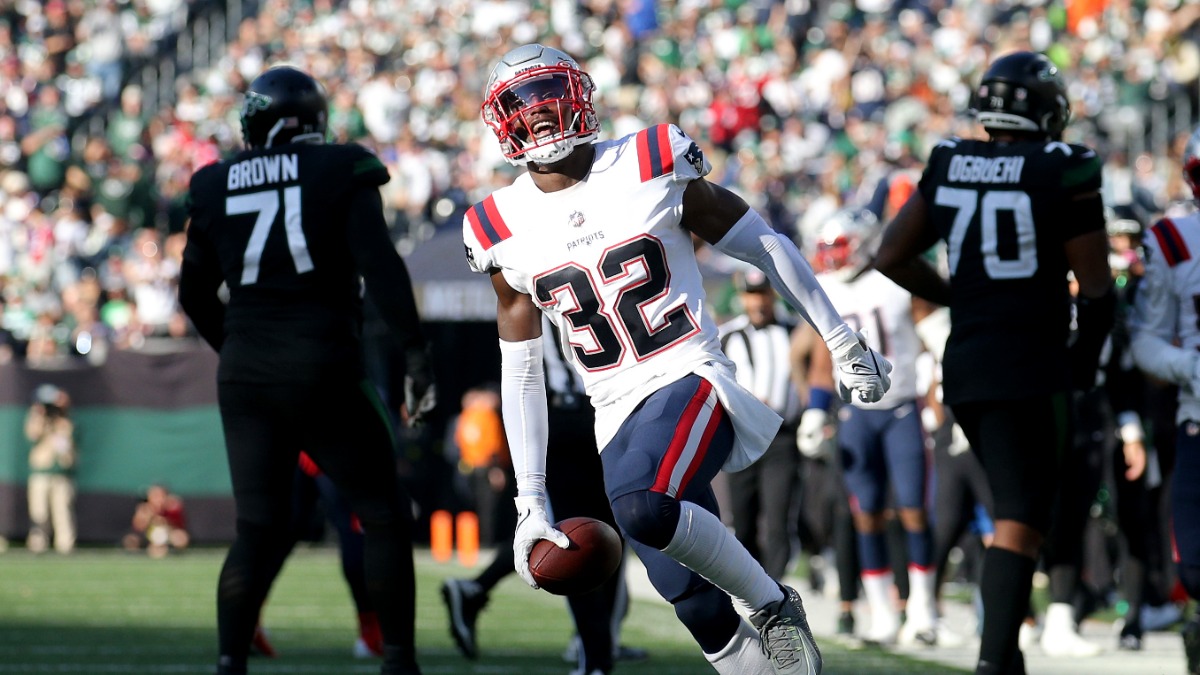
<point x="575" y="219"/>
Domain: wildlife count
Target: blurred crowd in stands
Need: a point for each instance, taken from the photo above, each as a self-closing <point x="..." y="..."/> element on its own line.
<point x="804" y="106"/>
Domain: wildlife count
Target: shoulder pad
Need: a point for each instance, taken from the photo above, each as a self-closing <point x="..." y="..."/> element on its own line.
<point x="486" y="223"/>
<point x="1082" y="169"/>
<point x="201" y="184"/>
<point x="364" y="166"/>
<point x="1170" y="242"/>
<point x="665" y="150"/>
<point x="483" y="228"/>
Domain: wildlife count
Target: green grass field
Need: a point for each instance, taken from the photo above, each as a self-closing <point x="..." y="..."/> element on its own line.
<point x="103" y="611"/>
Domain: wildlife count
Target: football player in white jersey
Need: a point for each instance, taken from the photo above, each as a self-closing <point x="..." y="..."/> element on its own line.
<point x="1165" y="325"/>
<point x="598" y="235"/>
<point x="878" y="442"/>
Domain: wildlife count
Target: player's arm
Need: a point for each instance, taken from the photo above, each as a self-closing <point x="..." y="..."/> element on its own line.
<point x="199" y="279"/>
<point x="910" y="234"/>
<point x="724" y="220"/>
<point x="1085" y="244"/>
<point x="815" y="427"/>
<point x="386" y="281"/>
<point x="1152" y="324"/>
<point x="384" y="273"/>
<point x="526" y="415"/>
<point x="932" y="323"/>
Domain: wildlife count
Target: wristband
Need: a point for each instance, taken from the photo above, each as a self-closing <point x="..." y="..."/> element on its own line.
<point x="1129" y="427"/>
<point x="820" y="398"/>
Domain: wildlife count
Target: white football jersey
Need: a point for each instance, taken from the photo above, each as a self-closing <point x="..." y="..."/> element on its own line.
<point x="608" y="262"/>
<point x="1165" y="302"/>
<point x="882" y="311"/>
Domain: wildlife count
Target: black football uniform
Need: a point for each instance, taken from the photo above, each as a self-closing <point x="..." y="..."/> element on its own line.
<point x="1005" y="210"/>
<point x="277" y="227"/>
<point x="290" y="230"/>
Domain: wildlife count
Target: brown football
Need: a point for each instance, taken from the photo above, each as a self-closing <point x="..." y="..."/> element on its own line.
<point x="593" y="557"/>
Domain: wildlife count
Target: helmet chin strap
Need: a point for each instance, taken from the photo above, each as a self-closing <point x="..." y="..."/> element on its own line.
<point x="311" y="137"/>
<point x="275" y="129"/>
<point x="554" y="152"/>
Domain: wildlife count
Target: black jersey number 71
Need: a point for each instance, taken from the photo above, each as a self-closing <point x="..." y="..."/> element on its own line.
<point x="265" y="205"/>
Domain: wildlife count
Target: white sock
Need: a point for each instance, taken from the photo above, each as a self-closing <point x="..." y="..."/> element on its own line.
<point x="1060" y="617"/>
<point x="921" y="611"/>
<point x="743" y="655"/>
<point x="878" y="589"/>
<point x="703" y="545"/>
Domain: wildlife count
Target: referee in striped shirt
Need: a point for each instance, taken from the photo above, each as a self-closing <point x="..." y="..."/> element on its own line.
<point x="758" y="342"/>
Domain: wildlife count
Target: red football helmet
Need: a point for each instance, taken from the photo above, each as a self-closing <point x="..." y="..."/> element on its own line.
<point x="843" y="241"/>
<point x="539" y="104"/>
<point x="1191" y="165"/>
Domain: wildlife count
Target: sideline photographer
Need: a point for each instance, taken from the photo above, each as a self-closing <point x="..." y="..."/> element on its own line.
<point x="51" y="485"/>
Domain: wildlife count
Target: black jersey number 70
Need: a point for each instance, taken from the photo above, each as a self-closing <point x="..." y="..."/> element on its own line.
<point x="966" y="204"/>
<point x="625" y="317"/>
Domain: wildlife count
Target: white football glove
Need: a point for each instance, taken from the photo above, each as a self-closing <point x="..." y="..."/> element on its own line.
<point x="533" y="525"/>
<point x="862" y="374"/>
<point x="813" y="434"/>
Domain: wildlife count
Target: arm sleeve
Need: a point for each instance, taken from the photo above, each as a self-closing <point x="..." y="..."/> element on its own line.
<point x="384" y="274"/>
<point x="752" y="240"/>
<point x="1153" y="321"/>
<point x="1083" y="210"/>
<point x="524" y="408"/>
<point x="199" y="279"/>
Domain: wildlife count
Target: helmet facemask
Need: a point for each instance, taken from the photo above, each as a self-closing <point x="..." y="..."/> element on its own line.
<point x="540" y="114"/>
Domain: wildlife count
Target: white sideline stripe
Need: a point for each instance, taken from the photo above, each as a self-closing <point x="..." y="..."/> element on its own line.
<point x="174" y="668"/>
<point x="206" y="667"/>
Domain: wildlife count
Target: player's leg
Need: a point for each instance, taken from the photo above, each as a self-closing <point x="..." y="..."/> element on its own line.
<point x="845" y="547"/>
<point x="1018" y="443"/>
<point x="728" y="642"/>
<point x="745" y="497"/>
<point x="864" y="471"/>
<point x="575" y="487"/>
<point x="908" y="469"/>
<point x="262" y="455"/>
<point x="303" y="508"/>
<point x="673" y="444"/>
<point x="1185" y="521"/>
<point x="1135" y="510"/>
<point x="779" y="482"/>
<point x="349" y="437"/>
<point x="958" y="479"/>
<point x="350" y="549"/>
<point x="1063" y="553"/>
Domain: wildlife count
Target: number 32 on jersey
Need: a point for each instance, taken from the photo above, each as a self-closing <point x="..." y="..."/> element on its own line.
<point x="613" y="312"/>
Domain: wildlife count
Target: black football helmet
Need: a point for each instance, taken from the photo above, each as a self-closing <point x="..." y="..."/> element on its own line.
<point x="1022" y="91"/>
<point x="284" y="105"/>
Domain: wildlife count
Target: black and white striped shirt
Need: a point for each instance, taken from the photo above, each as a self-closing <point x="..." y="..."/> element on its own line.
<point x="763" y="364"/>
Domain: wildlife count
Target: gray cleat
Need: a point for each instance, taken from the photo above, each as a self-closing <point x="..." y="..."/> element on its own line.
<point x="786" y="638"/>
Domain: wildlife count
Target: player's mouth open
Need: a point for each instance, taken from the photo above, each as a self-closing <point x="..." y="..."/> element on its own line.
<point x="544" y="128"/>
